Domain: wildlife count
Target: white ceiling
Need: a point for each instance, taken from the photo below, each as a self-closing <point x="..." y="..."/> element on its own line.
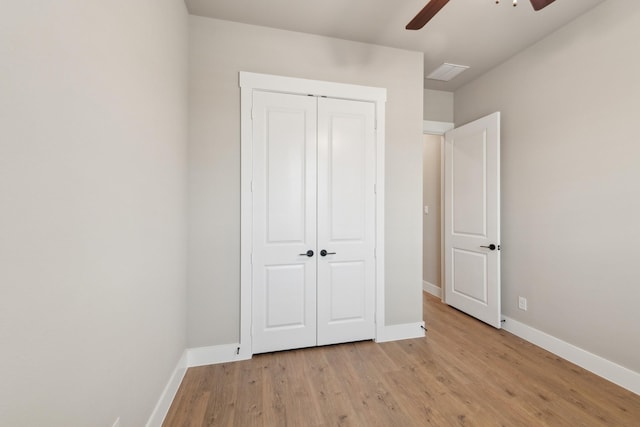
<point x="478" y="33"/>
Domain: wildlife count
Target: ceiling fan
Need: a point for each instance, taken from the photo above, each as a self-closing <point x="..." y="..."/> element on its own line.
<point x="434" y="6"/>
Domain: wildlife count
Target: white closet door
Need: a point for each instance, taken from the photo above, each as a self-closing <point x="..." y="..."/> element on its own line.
<point x="346" y="221"/>
<point x="284" y="223"/>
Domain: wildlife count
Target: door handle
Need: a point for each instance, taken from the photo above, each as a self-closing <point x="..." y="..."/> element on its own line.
<point x="491" y="247"/>
<point x="309" y="253"/>
<point x="325" y="253"/>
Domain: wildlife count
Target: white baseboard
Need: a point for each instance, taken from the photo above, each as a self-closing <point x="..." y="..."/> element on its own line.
<point x="432" y="289"/>
<point x="611" y="371"/>
<point x="169" y="393"/>
<point x="201" y="356"/>
<point x="192" y="357"/>
<point x="401" y="332"/>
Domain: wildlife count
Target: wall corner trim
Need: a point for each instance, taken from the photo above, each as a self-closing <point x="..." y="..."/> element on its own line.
<point x="169" y="393"/>
<point x="402" y="331"/>
<point x="600" y="366"/>
<point x="432" y="289"/>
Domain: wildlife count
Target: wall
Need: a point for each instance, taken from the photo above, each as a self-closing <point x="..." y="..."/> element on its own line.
<point x="218" y="51"/>
<point x="438" y="106"/>
<point x="92" y="209"/>
<point x="571" y="180"/>
<point x="431" y="222"/>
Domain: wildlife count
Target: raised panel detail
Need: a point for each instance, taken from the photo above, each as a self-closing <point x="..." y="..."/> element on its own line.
<point x="469" y="195"/>
<point x="347" y="169"/>
<point x="347" y="291"/>
<point x="285" y="296"/>
<point x="470" y="274"/>
<point x="286" y="185"/>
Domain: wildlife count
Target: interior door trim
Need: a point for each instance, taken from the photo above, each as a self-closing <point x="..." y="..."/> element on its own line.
<point x="249" y="82"/>
<point x="436" y="128"/>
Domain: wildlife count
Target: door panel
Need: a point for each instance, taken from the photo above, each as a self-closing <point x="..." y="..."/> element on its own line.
<point x="345" y="175"/>
<point x="282" y="288"/>
<point x="469" y="192"/>
<point x="346" y="286"/>
<point x="472" y="219"/>
<point x="469" y="272"/>
<point x="346" y="221"/>
<point x="284" y="197"/>
<point x="285" y="175"/>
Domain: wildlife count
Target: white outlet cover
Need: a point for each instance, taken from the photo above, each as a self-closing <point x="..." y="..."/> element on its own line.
<point x="522" y="303"/>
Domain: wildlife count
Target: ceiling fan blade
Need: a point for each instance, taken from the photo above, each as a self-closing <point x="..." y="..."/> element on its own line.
<point x="540" y="4"/>
<point x="425" y="15"/>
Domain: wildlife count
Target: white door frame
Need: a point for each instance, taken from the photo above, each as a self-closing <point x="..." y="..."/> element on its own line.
<point x="264" y="82"/>
<point x="440" y="128"/>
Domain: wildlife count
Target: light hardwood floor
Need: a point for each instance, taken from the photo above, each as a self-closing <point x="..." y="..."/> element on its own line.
<point x="463" y="373"/>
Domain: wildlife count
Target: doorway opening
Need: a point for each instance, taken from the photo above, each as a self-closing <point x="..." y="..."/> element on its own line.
<point x="470" y="217"/>
<point x="433" y="203"/>
<point x="432" y="214"/>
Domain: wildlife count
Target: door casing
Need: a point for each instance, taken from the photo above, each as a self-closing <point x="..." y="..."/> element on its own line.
<point x="264" y="82"/>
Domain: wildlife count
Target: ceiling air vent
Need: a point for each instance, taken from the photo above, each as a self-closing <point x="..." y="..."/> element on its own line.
<point x="446" y="72"/>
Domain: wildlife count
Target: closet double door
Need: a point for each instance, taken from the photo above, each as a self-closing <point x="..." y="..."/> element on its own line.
<point x="313" y="190"/>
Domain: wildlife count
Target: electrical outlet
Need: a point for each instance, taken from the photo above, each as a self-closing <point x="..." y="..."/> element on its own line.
<point x="117" y="422"/>
<point x="522" y="303"/>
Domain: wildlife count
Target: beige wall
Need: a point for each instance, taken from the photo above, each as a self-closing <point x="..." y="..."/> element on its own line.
<point x="571" y="180"/>
<point x="92" y="209"/>
<point x="218" y="51"/>
<point x="437" y="106"/>
<point x="431" y="223"/>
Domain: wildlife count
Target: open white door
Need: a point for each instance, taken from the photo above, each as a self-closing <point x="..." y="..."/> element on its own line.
<point x="472" y="219"/>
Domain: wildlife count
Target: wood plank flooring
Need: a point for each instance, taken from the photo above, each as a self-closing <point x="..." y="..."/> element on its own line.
<point x="463" y="373"/>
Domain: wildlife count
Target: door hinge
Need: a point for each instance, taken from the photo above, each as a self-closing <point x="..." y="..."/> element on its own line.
<point x="252" y="186"/>
<point x="251" y="258"/>
<point x="375" y="189"/>
<point x="375" y="253"/>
